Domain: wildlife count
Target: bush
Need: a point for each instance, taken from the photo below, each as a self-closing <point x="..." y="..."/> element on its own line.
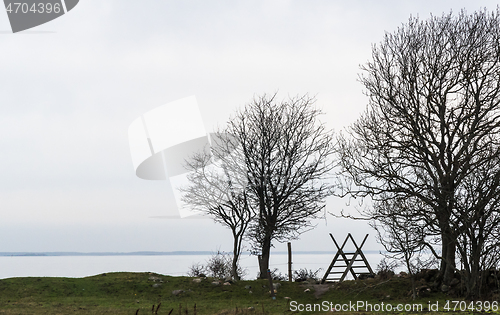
<point x="218" y="266"/>
<point x="303" y="274"/>
<point x="385" y="269"/>
<point x="196" y="270"/>
<point x="276" y="275"/>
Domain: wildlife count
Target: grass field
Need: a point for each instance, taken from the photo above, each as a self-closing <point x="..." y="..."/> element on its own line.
<point x="137" y="293"/>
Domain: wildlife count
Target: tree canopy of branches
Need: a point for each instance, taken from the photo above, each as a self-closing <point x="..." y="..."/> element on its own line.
<point x="431" y="134"/>
<point x="279" y="155"/>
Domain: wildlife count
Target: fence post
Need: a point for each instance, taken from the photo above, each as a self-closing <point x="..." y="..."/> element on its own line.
<point x="289" y="261"/>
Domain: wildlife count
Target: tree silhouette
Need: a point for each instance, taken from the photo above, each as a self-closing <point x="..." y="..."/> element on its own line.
<point x="279" y="154"/>
<point x="431" y="133"/>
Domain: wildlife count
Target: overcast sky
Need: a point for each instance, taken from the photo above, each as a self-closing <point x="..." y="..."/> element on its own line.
<point x="69" y="90"/>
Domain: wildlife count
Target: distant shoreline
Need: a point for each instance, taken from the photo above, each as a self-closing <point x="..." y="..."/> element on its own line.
<point x="150" y="253"/>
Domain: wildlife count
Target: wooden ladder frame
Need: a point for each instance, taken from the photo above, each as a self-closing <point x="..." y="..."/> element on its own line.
<point x="349" y="261"/>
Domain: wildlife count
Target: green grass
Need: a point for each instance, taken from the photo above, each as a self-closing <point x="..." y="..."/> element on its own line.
<point x="125" y="293"/>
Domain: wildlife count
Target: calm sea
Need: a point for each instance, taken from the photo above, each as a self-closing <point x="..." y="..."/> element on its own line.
<point x="174" y="265"/>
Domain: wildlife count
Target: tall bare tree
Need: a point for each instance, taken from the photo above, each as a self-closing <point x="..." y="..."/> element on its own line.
<point x="431" y="130"/>
<point x="287" y="154"/>
<point x="280" y="153"/>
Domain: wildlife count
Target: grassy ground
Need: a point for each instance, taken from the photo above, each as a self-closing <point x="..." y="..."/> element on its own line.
<point x="131" y="293"/>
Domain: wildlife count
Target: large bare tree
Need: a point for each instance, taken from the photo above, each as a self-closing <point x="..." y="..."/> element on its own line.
<point x="287" y="154"/>
<point x="280" y="156"/>
<point x="431" y="132"/>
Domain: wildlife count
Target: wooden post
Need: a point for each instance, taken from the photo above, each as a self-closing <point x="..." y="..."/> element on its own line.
<point x="289" y="261"/>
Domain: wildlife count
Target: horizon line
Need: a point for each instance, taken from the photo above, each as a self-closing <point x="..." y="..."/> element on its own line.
<point x="158" y="253"/>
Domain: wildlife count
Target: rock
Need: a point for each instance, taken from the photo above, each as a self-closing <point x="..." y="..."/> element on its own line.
<point x="216" y="283"/>
<point x="250" y="292"/>
<point x="227" y="283"/>
<point x="276" y="285"/>
<point x="156" y="285"/>
<point x="197" y="280"/>
<point x="177" y="292"/>
<point x="307" y="290"/>
<point x="445" y="288"/>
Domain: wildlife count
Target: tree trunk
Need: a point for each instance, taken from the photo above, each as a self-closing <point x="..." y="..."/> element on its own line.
<point x="413" y="287"/>
<point x="472" y="284"/>
<point x="264" y="259"/>
<point x="407" y="256"/>
<point x="442" y="265"/>
<point x="447" y="270"/>
<point x="473" y="279"/>
<point x="234" y="267"/>
<point x="237" y="238"/>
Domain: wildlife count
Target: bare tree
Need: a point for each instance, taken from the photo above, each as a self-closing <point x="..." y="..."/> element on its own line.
<point x="283" y="153"/>
<point x="431" y="130"/>
<point x="214" y="191"/>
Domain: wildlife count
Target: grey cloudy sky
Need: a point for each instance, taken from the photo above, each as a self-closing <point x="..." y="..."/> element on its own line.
<point x="69" y="90"/>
